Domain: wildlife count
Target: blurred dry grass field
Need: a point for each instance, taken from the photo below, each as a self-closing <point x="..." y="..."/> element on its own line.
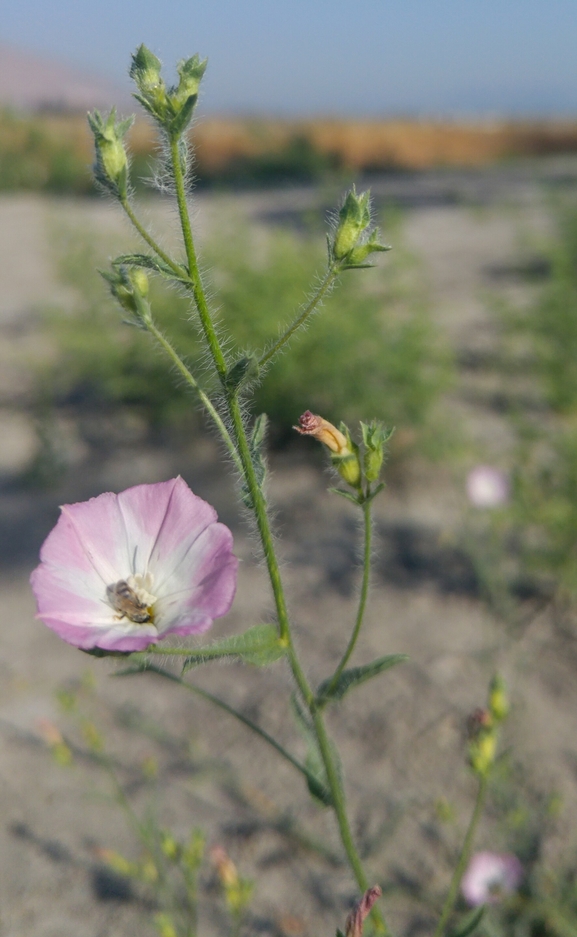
<point x="54" y="151"/>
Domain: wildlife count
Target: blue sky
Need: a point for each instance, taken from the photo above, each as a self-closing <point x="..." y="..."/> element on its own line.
<point x="362" y="57"/>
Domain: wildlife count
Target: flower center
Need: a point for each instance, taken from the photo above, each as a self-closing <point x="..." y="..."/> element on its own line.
<point x="130" y="598"/>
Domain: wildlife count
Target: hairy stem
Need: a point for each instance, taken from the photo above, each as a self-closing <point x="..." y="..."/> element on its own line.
<point x="179" y="271"/>
<point x="339" y="807"/>
<point x="204" y="399"/>
<point x="464" y="857"/>
<point x="193" y="271"/>
<point x="368" y="528"/>
<point x="261" y="514"/>
<point x="327" y="281"/>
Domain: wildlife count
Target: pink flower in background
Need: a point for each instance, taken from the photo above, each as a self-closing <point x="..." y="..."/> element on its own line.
<point x="490" y="876"/>
<point x="120" y="572"/>
<point x="487" y="487"/>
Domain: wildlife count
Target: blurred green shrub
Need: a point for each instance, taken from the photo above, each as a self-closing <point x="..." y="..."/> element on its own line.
<point x="371" y="352"/>
<point x="540" y="525"/>
<point x="32" y="158"/>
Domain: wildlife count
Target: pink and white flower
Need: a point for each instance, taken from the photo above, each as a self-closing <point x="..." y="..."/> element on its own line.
<point x="487" y="487"/>
<point x="490" y="876"/>
<point x="119" y="572"/>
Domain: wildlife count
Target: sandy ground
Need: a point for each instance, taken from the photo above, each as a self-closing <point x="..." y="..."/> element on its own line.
<point x="402" y="735"/>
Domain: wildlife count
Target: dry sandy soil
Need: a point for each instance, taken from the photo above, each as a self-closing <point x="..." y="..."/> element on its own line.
<point x="402" y="735"/>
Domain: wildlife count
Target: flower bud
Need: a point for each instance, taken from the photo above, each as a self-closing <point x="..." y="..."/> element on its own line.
<point x="129" y="288"/>
<point x="111" y="167"/>
<point x="172" y="108"/>
<point x="498" y="701"/>
<point x="190" y="72"/>
<point x="374" y="438"/>
<point x="145" y="70"/>
<point x="354" y="218"/>
<point x="482" y="753"/>
<point x="170" y="847"/>
<point x="344" y="452"/>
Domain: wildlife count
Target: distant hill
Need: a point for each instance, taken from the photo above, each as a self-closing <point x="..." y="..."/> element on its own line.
<point x="30" y="82"/>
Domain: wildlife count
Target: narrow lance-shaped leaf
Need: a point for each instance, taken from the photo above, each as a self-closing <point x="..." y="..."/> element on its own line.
<point x="148" y="262"/>
<point x="260" y="645"/>
<point x="469" y="923"/>
<point x="357" y="675"/>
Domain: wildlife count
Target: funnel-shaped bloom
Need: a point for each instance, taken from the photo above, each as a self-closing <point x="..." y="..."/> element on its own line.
<point x="119" y="572"/>
<point x="490" y="876"/>
<point x="487" y="487"/>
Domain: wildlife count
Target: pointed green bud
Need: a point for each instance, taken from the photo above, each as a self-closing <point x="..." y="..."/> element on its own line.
<point x="111" y="167"/>
<point x="482" y="753"/>
<point x="145" y="70"/>
<point x="354" y="218"/>
<point x="190" y="72"/>
<point x="152" y="94"/>
<point x="130" y="289"/>
<point x="374" y="438"/>
<point x="498" y="700"/>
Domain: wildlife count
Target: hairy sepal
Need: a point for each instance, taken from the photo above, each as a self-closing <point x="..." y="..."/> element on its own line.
<point x="259" y="646"/>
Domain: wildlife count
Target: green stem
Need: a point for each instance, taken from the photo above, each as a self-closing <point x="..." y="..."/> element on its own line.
<point x="328" y="280"/>
<point x="464" y="857"/>
<point x="193" y="271"/>
<point x="232" y="712"/>
<point x="260" y="510"/>
<point x="179" y="271"/>
<point x="259" y="507"/>
<point x="368" y="526"/>
<point x="339" y="806"/>
<point x="205" y="400"/>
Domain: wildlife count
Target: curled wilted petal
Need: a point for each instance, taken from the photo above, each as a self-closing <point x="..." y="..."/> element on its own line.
<point x="119" y="572"/>
<point x="490" y="876"/>
<point x="312" y="425"/>
<point x="356" y="919"/>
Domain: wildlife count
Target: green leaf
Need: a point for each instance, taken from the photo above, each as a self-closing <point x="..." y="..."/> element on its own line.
<point x="469" y="923"/>
<point x="357" y="675"/>
<point x="260" y="645"/>
<point x="245" y="369"/>
<point x="345" y="494"/>
<point x="148" y="262"/>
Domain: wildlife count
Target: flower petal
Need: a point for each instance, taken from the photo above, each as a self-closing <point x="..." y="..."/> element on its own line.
<point x="158" y="518"/>
<point x="84" y="621"/>
<point x="201" y="587"/>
